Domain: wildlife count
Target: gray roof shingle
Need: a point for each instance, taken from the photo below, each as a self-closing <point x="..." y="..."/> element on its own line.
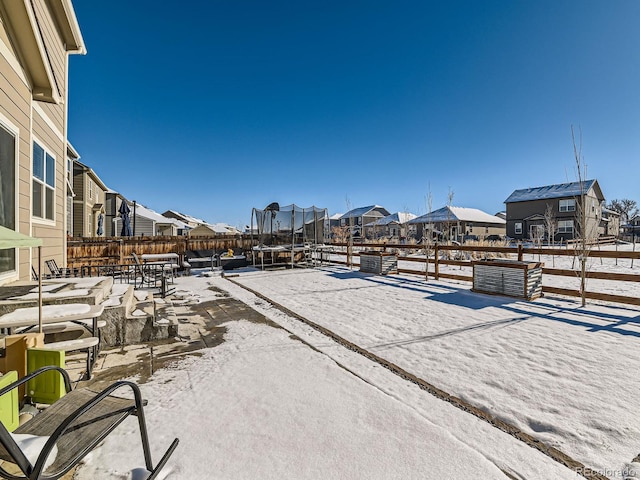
<point x="560" y="190"/>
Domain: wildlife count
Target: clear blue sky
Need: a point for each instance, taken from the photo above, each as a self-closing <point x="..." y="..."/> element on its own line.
<point x="215" y="107"/>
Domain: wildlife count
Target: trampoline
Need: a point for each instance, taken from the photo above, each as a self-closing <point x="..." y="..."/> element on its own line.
<point x="290" y="235"/>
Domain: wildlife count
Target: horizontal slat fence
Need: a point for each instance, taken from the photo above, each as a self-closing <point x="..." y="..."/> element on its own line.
<point x="92" y="251"/>
<point x="518" y="252"/>
<point x="86" y="252"/>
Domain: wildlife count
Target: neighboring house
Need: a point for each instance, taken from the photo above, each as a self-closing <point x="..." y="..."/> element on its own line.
<point x="112" y="202"/>
<point x="334" y="220"/>
<point x="456" y="223"/>
<point x="72" y="156"/>
<point x="394" y="226"/>
<point x="188" y="220"/>
<point x="526" y="210"/>
<point x="358" y="217"/>
<point x="88" y="202"/>
<point x="632" y="228"/>
<point x="147" y="222"/>
<point x="36" y="38"/>
<point x="212" y="230"/>
<point x="609" y="223"/>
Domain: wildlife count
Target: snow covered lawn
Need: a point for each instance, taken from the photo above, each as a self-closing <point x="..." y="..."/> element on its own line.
<point x="567" y="375"/>
<point x="279" y="404"/>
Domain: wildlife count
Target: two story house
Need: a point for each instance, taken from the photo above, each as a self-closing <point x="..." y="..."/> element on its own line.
<point x="530" y="209"/>
<point x="357" y="218"/>
<point x="36" y="39"/>
<point x="88" y="202"/>
<point x="394" y="226"/>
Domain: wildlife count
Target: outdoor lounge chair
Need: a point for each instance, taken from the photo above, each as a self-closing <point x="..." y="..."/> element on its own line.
<point x="57" y="272"/>
<point x="73" y="426"/>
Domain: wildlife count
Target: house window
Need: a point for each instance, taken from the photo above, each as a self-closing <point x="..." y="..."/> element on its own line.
<point x="44" y="173"/>
<point x="7" y="194"/>
<point x="518" y="228"/>
<point x="90" y="189"/>
<point x="565" y="226"/>
<point x="568" y="205"/>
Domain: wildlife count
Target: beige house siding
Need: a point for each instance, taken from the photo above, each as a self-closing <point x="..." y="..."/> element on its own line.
<point x="15" y="101"/>
<point x="484" y="230"/>
<point x="39" y="71"/>
<point x="57" y="58"/>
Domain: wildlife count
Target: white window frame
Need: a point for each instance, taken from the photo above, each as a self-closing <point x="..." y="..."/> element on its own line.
<point x="517" y="228"/>
<point x="15" y="131"/>
<point x="45" y="185"/>
<point x="567" y="205"/>
<point x="565" y="226"/>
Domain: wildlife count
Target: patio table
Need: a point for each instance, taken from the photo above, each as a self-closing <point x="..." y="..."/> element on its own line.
<point x="27" y="319"/>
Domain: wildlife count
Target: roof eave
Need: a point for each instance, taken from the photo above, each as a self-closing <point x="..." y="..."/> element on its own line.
<point x="22" y="28"/>
<point x="65" y="17"/>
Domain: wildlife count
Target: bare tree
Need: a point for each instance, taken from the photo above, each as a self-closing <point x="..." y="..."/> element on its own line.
<point x="625" y="207"/>
<point x="537" y="236"/>
<point x="426" y="235"/>
<point x="341" y="234"/>
<point x="350" y="237"/>
<point x="551" y="225"/>
<point x="587" y="230"/>
<point x="449" y="222"/>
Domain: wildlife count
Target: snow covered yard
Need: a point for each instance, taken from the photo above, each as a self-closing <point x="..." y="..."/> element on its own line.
<point x="272" y="403"/>
<point x="560" y="372"/>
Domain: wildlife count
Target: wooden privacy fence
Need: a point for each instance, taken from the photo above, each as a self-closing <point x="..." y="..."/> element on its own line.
<point x="83" y="252"/>
<point x="463" y="256"/>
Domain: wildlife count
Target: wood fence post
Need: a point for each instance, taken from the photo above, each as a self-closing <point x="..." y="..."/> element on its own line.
<point x="520" y="253"/>
<point x="436" y="264"/>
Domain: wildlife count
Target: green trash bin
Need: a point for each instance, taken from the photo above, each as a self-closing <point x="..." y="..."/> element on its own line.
<point x="49" y="386"/>
<point x="9" y="408"/>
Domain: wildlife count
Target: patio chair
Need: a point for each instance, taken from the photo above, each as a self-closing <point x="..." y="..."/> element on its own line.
<point x="70" y="429"/>
<point x="57" y="272"/>
<point x="151" y="274"/>
<point x="122" y="272"/>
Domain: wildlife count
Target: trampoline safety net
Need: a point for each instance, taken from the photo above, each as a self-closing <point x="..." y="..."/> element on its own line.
<point x="290" y="225"/>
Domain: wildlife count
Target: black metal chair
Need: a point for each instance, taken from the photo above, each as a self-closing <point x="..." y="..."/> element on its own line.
<point x="151" y="274"/>
<point x="57" y="272"/>
<point x="75" y="425"/>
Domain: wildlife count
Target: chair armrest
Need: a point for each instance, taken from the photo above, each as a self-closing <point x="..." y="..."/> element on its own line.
<point x="82" y="410"/>
<point x="26" y="378"/>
